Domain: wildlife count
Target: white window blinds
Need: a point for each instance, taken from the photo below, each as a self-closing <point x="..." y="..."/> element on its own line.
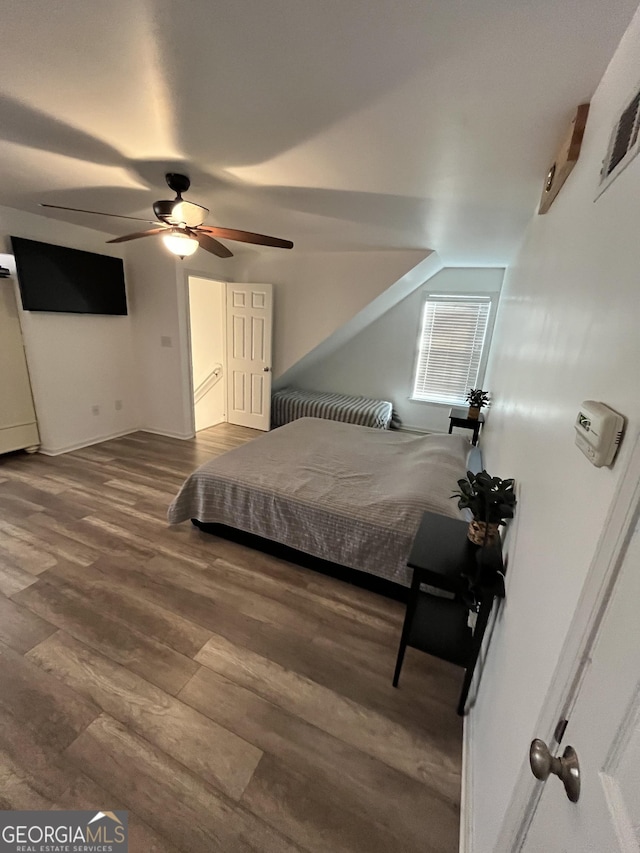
<point x="450" y="348"/>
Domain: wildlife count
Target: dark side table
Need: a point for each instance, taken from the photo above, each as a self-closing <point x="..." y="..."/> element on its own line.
<point x="443" y="557"/>
<point x="460" y="418"/>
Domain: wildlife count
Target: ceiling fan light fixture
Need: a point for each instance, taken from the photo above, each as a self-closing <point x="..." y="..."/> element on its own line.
<point x="180" y="244"/>
<point x="181" y="225"/>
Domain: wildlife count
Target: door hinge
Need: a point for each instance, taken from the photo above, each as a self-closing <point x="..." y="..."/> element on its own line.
<point x="560" y="730"/>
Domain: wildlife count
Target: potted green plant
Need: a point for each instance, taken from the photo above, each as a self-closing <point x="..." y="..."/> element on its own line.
<point x="476" y="398"/>
<point x="491" y="500"/>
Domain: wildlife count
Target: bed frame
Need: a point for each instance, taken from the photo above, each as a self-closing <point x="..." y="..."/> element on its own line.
<point x="373" y="583"/>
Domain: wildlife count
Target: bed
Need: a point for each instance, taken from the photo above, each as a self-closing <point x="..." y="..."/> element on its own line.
<point x="347" y="494"/>
<point x="289" y="404"/>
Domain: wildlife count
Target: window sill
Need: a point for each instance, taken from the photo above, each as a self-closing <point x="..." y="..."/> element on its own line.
<point x="435" y="403"/>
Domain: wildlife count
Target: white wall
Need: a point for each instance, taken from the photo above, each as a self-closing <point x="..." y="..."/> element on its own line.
<point x="207" y="319"/>
<point x="76" y="361"/>
<point x="317" y="292"/>
<point x="154" y="304"/>
<point x="314" y="294"/>
<point x="567" y="331"/>
<point x="143" y="360"/>
<point x="158" y="290"/>
<point x="379" y="361"/>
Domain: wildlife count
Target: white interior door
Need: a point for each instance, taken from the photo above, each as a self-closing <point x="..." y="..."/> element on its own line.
<point x="604" y="729"/>
<point x="249" y="321"/>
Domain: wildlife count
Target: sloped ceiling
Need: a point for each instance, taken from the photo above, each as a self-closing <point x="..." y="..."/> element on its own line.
<point x="340" y="124"/>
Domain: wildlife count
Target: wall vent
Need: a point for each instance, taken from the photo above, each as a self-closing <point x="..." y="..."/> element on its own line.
<point x="623" y="145"/>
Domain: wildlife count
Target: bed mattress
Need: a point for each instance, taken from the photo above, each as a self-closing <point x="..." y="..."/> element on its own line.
<point x="348" y="494"/>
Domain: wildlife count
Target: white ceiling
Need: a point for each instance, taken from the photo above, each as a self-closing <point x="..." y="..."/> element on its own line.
<point x="339" y="124"/>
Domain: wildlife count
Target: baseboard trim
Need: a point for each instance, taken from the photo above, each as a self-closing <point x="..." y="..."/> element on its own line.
<point x="58" y="451"/>
<point x="466" y="787"/>
<point x="182" y="435"/>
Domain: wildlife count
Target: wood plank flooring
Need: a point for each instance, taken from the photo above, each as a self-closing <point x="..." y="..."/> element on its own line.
<point x="229" y="700"/>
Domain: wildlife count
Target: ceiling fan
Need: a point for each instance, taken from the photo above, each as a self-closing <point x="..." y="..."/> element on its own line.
<point x="181" y="225"/>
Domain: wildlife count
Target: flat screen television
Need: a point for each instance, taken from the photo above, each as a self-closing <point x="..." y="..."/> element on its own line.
<point x="56" y="278"/>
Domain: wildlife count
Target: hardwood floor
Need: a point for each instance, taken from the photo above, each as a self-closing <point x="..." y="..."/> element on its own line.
<point x="229" y="700"/>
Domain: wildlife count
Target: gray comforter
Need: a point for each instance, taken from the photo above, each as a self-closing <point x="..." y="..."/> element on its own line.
<point x="349" y="494"/>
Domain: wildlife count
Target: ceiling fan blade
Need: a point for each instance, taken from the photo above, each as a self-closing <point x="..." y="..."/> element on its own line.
<point x="95" y="212"/>
<point x="211" y="245"/>
<point x="248" y="237"/>
<point x="139" y="234"/>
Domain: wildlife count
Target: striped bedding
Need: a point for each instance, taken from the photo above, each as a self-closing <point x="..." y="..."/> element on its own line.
<point x="351" y="495"/>
<point x="289" y="404"/>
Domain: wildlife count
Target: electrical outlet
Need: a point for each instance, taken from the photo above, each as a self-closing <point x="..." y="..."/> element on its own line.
<point x="118" y="405"/>
<point x="165" y="341"/>
<point x="95" y="410"/>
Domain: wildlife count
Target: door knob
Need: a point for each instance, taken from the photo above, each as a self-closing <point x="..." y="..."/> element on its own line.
<point x="266" y="369"/>
<point x="567" y="768"/>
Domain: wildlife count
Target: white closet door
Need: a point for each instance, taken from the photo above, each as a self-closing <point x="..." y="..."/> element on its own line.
<point x="17" y="415"/>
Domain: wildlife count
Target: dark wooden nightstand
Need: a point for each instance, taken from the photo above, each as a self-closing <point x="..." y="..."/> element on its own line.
<point x="460" y="418"/>
<point x="444" y="558"/>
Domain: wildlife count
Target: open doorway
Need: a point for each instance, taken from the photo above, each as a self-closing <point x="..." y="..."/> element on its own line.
<point x="208" y="350"/>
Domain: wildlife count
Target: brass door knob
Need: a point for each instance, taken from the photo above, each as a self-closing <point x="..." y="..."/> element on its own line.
<point x="567" y="768"/>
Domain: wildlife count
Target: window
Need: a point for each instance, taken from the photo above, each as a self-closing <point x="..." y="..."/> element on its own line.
<point x="451" y="348"/>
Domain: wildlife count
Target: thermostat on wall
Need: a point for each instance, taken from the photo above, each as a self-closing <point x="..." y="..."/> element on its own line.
<point x="598" y="432"/>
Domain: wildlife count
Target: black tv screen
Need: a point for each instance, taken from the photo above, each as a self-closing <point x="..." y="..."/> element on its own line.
<point x="56" y="278"/>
